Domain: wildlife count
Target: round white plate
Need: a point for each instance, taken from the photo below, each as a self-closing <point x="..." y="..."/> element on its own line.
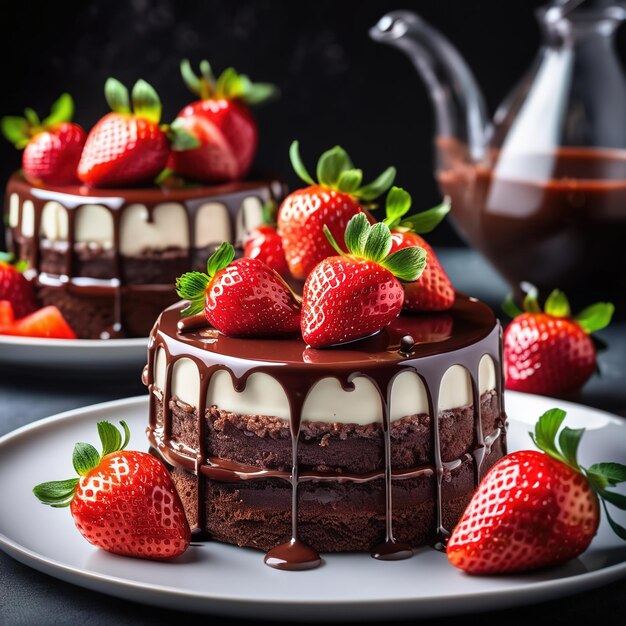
<point x="217" y="578"/>
<point x="72" y="354"/>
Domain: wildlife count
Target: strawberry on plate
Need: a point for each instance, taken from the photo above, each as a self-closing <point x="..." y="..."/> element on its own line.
<point x="331" y="202"/>
<point x="124" y="501"/>
<point x="264" y="243"/>
<point x="126" y="147"/>
<point x="52" y="146"/>
<point x="433" y="290"/>
<point x="221" y="122"/>
<point x="242" y="298"/>
<point x="354" y="295"/>
<point x="536" y="509"/>
<point x="14" y="287"/>
<point x="550" y="352"/>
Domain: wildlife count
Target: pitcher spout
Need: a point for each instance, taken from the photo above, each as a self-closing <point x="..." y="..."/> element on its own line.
<point x="460" y="111"/>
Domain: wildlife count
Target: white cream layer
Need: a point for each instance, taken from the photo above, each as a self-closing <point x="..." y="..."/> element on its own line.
<point x="168" y="228"/>
<point x="327" y="401"/>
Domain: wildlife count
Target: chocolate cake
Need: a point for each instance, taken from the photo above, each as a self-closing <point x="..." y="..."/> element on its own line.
<point x="377" y="445"/>
<point x="108" y="258"/>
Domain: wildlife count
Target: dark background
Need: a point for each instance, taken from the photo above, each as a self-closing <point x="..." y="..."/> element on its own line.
<point x="337" y="85"/>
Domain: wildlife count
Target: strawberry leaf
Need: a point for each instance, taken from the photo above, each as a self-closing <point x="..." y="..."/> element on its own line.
<point x="510" y="307"/>
<point x="146" y="102"/>
<point x="531" y="303"/>
<point x="616" y="499"/>
<point x="350" y="180"/>
<point x="180" y="138"/>
<point x="330" y="166"/>
<point x="297" y="164"/>
<point x="610" y="473"/>
<point x="406" y="264"/>
<point x="192" y="286"/>
<point x="569" y="440"/>
<point x="220" y="259"/>
<point x="620" y="531"/>
<point x="333" y="241"/>
<point x="189" y="77"/>
<point x="85" y="458"/>
<point x="116" y="96"/>
<point x="378" y="186"/>
<point x="207" y="72"/>
<point x="62" y="110"/>
<point x="378" y="242"/>
<point x="57" y="492"/>
<point x="397" y="205"/>
<point x="557" y="304"/>
<point x="32" y="117"/>
<point x="16" y="130"/>
<point x="595" y="317"/>
<point x="257" y="93"/>
<point x="426" y="221"/>
<point x="111" y="438"/>
<point x="356" y="235"/>
<point x="546" y="429"/>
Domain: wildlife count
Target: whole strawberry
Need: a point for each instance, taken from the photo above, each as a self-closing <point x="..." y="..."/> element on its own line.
<point x="331" y="202"/>
<point x="221" y="122"/>
<point x="14" y="287"/>
<point x="265" y="244"/>
<point x="52" y="147"/>
<point x="124" y="501"/>
<point x="242" y="298"/>
<point x="536" y="509"/>
<point x="551" y="352"/>
<point x="433" y="290"/>
<point x="354" y="295"/>
<point x="126" y="148"/>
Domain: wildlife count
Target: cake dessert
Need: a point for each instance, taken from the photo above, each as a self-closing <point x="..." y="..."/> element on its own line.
<point x="107" y="221"/>
<point x="373" y="440"/>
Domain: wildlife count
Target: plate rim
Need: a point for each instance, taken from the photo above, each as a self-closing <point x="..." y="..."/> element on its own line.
<point x="124" y="587"/>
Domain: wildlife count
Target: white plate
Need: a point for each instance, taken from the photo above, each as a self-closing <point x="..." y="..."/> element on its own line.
<point x="72" y="354"/>
<point x="217" y="578"/>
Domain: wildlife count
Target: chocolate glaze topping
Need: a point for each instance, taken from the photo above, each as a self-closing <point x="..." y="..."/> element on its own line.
<point x="73" y="197"/>
<point x="461" y="336"/>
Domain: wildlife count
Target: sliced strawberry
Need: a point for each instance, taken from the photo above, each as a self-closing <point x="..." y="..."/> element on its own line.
<point x="123" y="501"/>
<point x="536" y="509"/>
<point x="47" y="322"/>
<point x="14" y="287"/>
<point x="354" y="295"/>
<point x="52" y="147"/>
<point x="551" y="352"/>
<point x="242" y="298"/>
<point x="330" y="203"/>
<point x="221" y="123"/>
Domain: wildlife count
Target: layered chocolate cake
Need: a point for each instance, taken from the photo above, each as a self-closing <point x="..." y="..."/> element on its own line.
<point x="108" y="258"/>
<point x="376" y="445"/>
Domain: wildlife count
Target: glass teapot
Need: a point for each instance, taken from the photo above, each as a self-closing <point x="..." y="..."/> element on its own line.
<point x="541" y="189"/>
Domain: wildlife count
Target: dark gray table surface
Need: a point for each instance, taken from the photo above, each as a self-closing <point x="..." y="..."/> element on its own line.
<point x="29" y="597"/>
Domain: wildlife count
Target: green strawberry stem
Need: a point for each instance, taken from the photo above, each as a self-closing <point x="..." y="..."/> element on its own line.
<point x="397" y="206"/>
<point x="372" y="242"/>
<point x="228" y="86"/>
<point x="192" y="286"/>
<point x="591" y="319"/>
<point x="60" y="493"/>
<point x="20" y="130"/>
<point x="145" y="100"/>
<point x="565" y="449"/>
<point x="336" y="171"/>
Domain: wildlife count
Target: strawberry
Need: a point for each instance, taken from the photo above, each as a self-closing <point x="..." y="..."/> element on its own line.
<point x="330" y="203"/>
<point x="536" y="509"/>
<point x="125" y="148"/>
<point x="265" y="244"/>
<point x="433" y="291"/>
<point x="221" y="123"/>
<point x="47" y="322"/>
<point x="14" y="287"/>
<point x="244" y="298"/>
<point x="124" y="501"/>
<point x="6" y="314"/>
<point x="52" y="147"/>
<point x="551" y="352"/>
<point x="351" y="296"/>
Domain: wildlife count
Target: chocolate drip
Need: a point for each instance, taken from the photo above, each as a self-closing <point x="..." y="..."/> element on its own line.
<point x="73" y="198"/>
<point x="473" y="334"/>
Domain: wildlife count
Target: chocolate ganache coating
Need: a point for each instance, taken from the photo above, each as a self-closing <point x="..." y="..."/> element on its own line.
<point x="103" y="290"/>
<point x="427" y="345"/>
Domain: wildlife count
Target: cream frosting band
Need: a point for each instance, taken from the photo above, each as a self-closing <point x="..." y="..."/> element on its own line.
<point x="327" y="401"/>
